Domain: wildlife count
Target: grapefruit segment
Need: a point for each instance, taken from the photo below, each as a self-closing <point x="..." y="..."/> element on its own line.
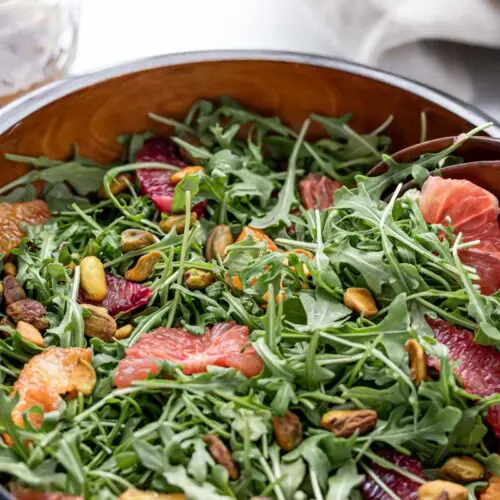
<point x="225" y="344"/>
<point x="13" y="214"/>
<point x="479" y="367"/>
<point x="472" y="211"/>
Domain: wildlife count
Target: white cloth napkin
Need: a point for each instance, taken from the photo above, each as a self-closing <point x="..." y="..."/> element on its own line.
<point x="411" y="37"/>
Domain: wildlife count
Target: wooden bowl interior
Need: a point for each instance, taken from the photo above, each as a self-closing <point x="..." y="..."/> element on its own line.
<point x="94" y="116"/>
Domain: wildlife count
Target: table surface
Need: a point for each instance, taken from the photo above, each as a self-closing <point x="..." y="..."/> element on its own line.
<point x="114" y="31"/>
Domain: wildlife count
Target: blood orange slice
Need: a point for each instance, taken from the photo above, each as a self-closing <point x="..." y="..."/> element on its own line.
<point x="123" y="296"/>
<point x="479" y="367"/>
<point x="225" y="344"/>
<point x="401" y="485"/>
<point x="316" y="191"/>
<point x="13" y="214"/>
<point x="155" y="182"/>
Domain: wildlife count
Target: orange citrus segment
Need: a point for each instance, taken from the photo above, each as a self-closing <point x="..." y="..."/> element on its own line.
<point x="13" y="214"/>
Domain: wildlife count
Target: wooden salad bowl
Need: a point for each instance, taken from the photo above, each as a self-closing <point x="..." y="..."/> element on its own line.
<point x="91" y="111"/>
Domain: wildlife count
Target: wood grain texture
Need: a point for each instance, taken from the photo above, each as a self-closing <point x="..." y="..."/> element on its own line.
<point x="93" y="117"/>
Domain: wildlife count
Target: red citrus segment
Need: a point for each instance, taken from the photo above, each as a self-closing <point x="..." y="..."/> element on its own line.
<point x="401" y="485"/>
<point x="25" y="494"/>
<point x="160" y="150"/>
<point x="479" y="367"/>
<point x="317" y="191"/>
<point x="49" y="375"/>
<point x="225" y="344"/>
<point x="472" y="210"/>
<point x="13" y="214"/>
<point x="155" y="182"/>
<point x="123" y="296"/>
<point x="486" y="260"/>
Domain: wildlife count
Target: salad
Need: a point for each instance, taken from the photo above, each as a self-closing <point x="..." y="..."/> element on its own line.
<point x="233" y="311"/>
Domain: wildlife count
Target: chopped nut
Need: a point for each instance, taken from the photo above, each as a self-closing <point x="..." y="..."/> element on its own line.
<point x="98" y="323"/>
<point x="361" y="301"/>
<point x="343" y="423"/>
<point x="10" y="269"/>
<point x="177" y="221"/>
<point x="29" y="311"/>
<point x="93" y="279"/>
<point x="30" y="333"/>
<point x="288" y="431"/>
<point x="219" y="239"/>
<point x="300" y="251"/>
<point x="134" y="494"/>
<point x="12" y="290"/>
<point x="116" y="186"/>
<point x="124" y="332"/>
<point x="418" y="362"/>
<point x="181" y="174"/>
<point x="221" y="455"/>
<point x="197" y="279"/>
<point x="442" y="490"/>
<point x="144" y="267"/>
<point x="462" y="469"/>
<point x="492" y="491"/>
<point x="135" y="239"/>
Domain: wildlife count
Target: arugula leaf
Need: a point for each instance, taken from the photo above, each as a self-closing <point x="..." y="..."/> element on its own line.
<point x="344" y="481"/>
<point x="370" y="264"/>
<point x="280" y="211"/>
<point x="322" y="311"/>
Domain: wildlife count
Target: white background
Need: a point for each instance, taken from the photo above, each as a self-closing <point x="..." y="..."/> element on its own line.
<point x="114" y="31"/>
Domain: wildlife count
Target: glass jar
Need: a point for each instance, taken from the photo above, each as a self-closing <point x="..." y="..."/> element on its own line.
<point x="37" y="43"/>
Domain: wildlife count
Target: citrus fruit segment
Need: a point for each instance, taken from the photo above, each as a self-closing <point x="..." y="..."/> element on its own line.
<point x="401" y="485"/>
<point x="479" y="367"/>
<point x="156" y="182"/>
<point x="317" y="191"/>
<point x="486" y="260"/>
<point x="225" y="345"/>
<point x="49" y="375"/>
<point x="13" y="214"/>
<point x="123" y="296"/>
<point x="258" y="235"/>
<point x="25" y="494"/>
<point x="471" y="210"/>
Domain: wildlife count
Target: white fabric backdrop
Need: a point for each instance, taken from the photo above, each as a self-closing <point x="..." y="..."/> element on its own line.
<point x="403" y="36"/>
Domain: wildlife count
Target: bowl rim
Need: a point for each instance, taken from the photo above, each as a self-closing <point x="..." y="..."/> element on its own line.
<point x="14" y="112"/>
